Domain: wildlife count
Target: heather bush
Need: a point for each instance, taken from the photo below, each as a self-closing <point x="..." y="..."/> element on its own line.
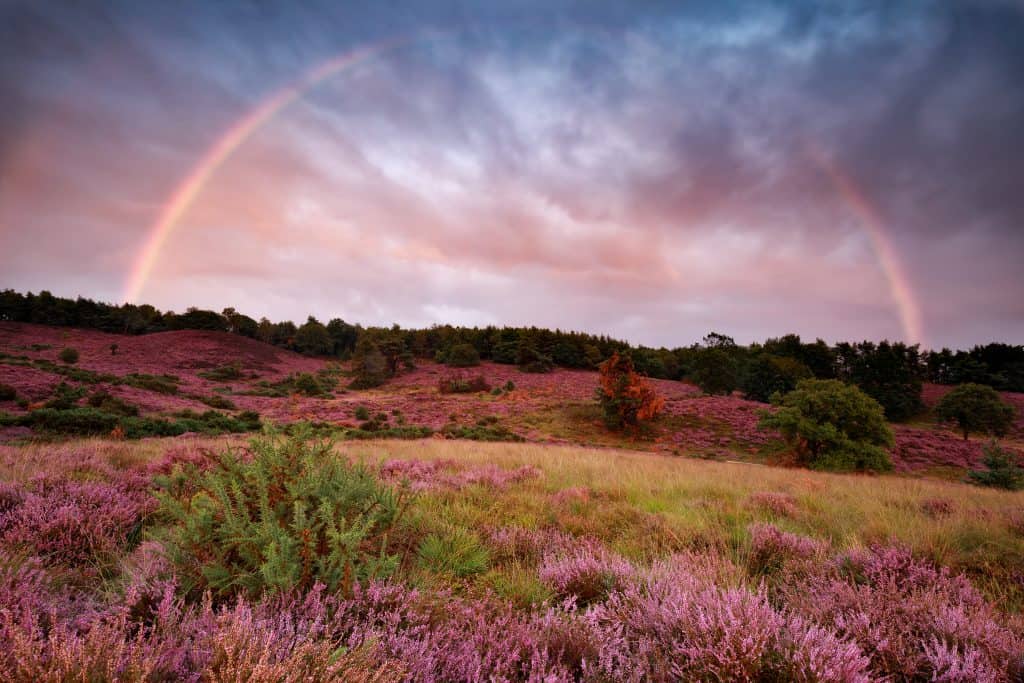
<point x="308" y="384"/>
<point x="672" y="626"/>
<point x="832" y="425"/>
<point x="1001" y="470"/>
<point x="778" y="504"/>
<point x="914" y="621"/>
<point x="7" y="392"/>
<point x="74" y="524"/>
<point x="68" y="355"/>
<point x="586" y="572"/>
<point x="454" y="551"/>
<point x="288" y="514"/>
<point x="976" y="408"/>
<point x="462" y="356"/>
<point x="772" y="548"/>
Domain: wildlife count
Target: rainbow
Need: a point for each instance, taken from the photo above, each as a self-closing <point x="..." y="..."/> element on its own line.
<point x="186" y="192"/>
<point x="899" y="283"/>
<point x="190" y="187"/>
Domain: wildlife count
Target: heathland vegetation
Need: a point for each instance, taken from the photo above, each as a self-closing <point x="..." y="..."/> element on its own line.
<point x="640" y="514"/>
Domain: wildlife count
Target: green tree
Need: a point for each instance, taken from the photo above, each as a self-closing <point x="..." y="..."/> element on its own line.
<point x="832" y="425"/>
<point x="888" y="372"/>
<point x="312" y="339"/>
<point x="767" y="374"/>
<point x="69" y="355"/>
<point x="976" y="408"/>
<point x="369" y="367"/>
<point x="462" y="356"/>
<point x="714" y="371"/>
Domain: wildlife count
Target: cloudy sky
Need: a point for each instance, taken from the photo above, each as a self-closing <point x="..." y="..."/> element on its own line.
<point x="843" y="170"/>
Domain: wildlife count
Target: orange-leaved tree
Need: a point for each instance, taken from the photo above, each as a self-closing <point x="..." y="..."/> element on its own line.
<point x="625" y="396"/>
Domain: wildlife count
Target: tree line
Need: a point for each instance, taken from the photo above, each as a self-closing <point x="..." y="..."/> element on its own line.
<point x="890" y="372"/>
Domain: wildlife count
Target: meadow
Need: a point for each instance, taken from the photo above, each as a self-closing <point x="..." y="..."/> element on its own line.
<point x="507" y="535"/>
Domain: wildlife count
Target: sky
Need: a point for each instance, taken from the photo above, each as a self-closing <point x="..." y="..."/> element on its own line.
<point x="843" y="170"/>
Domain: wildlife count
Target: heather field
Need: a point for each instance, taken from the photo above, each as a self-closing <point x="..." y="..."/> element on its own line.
<point x="509" y="562"/>
<point x="689" y="549"/>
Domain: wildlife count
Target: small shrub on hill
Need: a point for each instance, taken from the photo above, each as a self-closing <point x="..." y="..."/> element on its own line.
<point x="111" y="404"/>
<point x="462" y="356"/>
<point x="833" y="425"/>
<point x="976" y="408"/>
<point x="480" y="433"/>
<point x="224" y="373"/>
<point x="455" y="384"/>
<point x="625" y="397"/>
<point x="68" y="355"/>
<point x="362" y="413"/>
<point x="161" y="384"/>
<point x="287" y="515"/>
<point x="1001" y="470"/>
<point x="218" y="402"/>
<point x="7" y="392"/>
<point x="65" y="396"/>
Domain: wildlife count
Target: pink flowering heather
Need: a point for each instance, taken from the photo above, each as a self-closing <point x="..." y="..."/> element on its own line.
<point x="587" y="572"/>
<point x="771" y="547"/>
<point x="908" y="616"/>
<point x="512" y="544"/>
<point x="776" y="503"/>
<point x="78" y="524"/>
<point x="427" y="475"/>
<point x="673" y="626"/>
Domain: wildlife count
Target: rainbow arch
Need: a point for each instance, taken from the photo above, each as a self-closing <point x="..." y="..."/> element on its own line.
<point x="234" y="137"/>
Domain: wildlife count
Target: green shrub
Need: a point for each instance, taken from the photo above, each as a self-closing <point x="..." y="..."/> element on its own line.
<point x="224" y="373"/>
<point x="161" y="384"/>
<point x="480" y="433"/>
<point x="462" y="385"/>
<point x="362" y="413"/>
<point x="505" y="352"/>
<point x="832" y="425"/>
<point x="65" y="396"/>
<point x="462" y="356"/>
<point x="307" y="384"/>
<point x="510" y="386"/>
<point x="1001" y="470"/>
<point x="455" y="551"/>
<point x="291" y="515"/>
<point x="218" y="402"/>
<point x="92" y="421"/>
<point x="7" y="392"/>
<point x="68" y="355"/>
<point x="111" y="404"/>
<point x="976" y="408"/>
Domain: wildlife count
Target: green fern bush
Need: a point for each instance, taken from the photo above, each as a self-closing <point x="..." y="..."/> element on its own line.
<point x="284" y="515"/>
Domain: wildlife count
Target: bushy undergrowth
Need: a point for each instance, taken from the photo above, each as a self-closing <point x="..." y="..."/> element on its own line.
<point x="287" y="513"/>
<point x="1001" y="470"/>
<point x="458" y="384"/>
<point x="90" y="421"/>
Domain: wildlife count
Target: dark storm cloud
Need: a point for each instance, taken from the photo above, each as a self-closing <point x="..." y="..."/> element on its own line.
<point x="643" y="169"/>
